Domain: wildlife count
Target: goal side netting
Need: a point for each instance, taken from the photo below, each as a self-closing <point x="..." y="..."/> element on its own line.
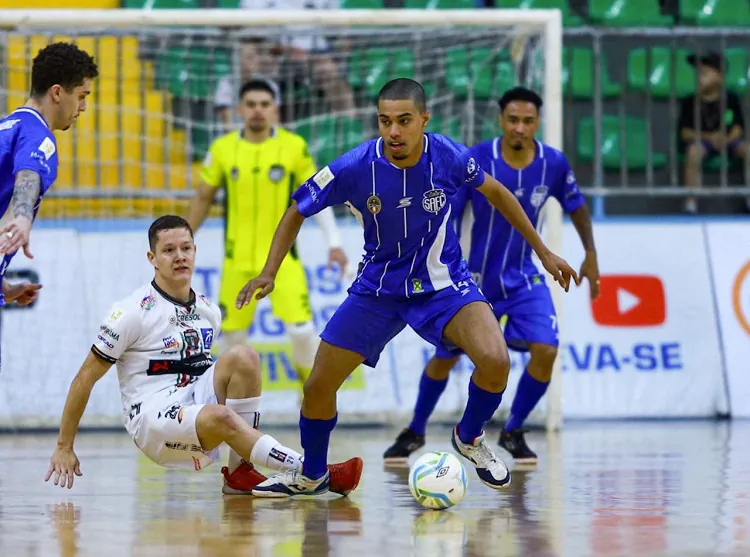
<point x="168" y="87"/>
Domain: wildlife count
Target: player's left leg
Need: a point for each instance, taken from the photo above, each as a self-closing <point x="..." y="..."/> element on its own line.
<point x="532" y="327"/>
<point x="462" y="318"/>
<point x="290" y="302"/>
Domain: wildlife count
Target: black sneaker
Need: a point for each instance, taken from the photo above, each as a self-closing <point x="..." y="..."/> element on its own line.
<point x="406" y="443"/>
<point x="515" y="443"/>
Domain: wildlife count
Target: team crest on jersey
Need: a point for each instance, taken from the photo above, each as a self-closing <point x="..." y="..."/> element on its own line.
<point x="571" y="177"/>
<point x="148" y="302"/>
<point x="471" y="170"/>
<point x="539" y="195"/>
<point x="433" y="201"/>
<point x="276" y="173"/>
<point x="374" y="205"/>
<point x="416" y="286"/>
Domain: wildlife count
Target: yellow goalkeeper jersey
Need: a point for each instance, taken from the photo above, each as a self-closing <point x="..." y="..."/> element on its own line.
<point x="259" y="179"/>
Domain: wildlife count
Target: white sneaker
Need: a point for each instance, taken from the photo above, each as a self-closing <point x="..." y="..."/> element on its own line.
<point x="291" y="483"/>
<point x="490" y="469"/>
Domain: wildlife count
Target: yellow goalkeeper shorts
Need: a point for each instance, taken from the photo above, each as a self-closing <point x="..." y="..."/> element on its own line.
<point x="290" y="299"/>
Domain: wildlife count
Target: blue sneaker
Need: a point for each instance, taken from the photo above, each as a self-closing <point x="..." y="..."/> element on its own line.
<point x="292" y="483"/>
<point x="490" y="469"/>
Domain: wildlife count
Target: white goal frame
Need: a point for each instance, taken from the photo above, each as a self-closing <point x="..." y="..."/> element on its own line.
<point x="545" y="22"/>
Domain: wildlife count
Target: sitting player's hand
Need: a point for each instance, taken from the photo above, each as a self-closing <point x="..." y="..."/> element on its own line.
<point x="559" y="269"/>
<point x="65" y="466"/>
<point x="23" y="294"/>
<point x="263" y="283"/>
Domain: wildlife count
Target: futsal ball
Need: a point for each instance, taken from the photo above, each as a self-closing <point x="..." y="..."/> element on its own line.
<point x="437" y="480"/>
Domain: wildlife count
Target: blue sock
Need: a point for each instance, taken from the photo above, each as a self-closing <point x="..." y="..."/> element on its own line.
<point x="529" y="393"/>
<point x="314" y="435"/>
<point x="479" y="409"/>
<point x="429" y="393"/>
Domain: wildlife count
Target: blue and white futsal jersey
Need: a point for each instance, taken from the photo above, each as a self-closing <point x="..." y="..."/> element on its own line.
<point x="410" y="245"/>
<point x="500" y="259"/>
<point x="412" y="271"/>
<point x="26" y="143"/>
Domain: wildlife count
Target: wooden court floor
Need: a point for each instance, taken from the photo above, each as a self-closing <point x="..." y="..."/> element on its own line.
<point x="608" y="489"/>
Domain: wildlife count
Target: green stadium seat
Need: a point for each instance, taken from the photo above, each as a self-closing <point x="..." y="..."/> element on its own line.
<point x="578" y="74"/>
<point x="192" y="72"/>
<point x="330" y="136"/>
<point x="569" y="18"/>
<point x="612" y="148"/>
<point x="488" y="73"/>
<point x="378" y="65"/>
<point x="228" y="4"/>
<point x="440" y="4"/>
<point x="628" y="13"/>
<point x="659" y="77"/>
<point x="361" y="4"/>
<point x="738" y="72"/>
<point x="450" y="126"/>
<point x="716" y="13"/>
<point x="163" y="4"/>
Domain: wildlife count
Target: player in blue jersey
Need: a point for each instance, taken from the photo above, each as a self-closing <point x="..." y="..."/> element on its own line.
<point x="61" y="79"/>
<point x="500" y="261"/>
<point x="412" y="273"/>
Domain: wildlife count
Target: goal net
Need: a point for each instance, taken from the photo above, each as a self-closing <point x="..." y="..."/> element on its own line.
<point x="168" y="86"/>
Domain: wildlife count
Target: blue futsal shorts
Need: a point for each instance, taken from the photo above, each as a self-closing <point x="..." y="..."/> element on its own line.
<point x="531" y="318"/>
<point x="365" y="324"/>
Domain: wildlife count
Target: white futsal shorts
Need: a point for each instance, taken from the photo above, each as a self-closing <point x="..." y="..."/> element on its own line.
<point x="166" y="433"/>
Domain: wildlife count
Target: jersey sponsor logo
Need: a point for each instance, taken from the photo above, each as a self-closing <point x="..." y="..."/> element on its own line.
<point x="181" y="317"/>
<point x="433" y="201"/>
<point x="109" y="332"/>
<point x="539" y="195"/>
<point x="570" y="178"/>
<point x="323" y="177"/>
<point x="188" y="368"/>
<point x="170" y="342"/>
<point x="8" y="124"/>
<point x="179" y="446"/>
<point x="403" y="203"/>
<point x="105" y="342"/>
<point x="171" y="412"/>
<point x="208" y="337"/>
<point x="416" y="286"/>
<point x="630" y="301"/>
<point x="115" y="315"/>
<point x="41" y="157"/>
<point x="47" y="147"/>
<point x="148" y="302"/>
<point x="276" y="173"/>
<point x="374" y="205"/>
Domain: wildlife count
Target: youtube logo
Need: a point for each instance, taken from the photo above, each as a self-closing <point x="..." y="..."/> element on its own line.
<point x="630" y="301"/>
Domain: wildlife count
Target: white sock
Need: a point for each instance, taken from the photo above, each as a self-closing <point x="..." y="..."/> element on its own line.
<point x="270" y="453"/>
<point x="249" y="410"/>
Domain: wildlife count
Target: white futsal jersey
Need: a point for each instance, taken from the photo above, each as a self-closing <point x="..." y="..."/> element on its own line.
<point x="160" y="345"/>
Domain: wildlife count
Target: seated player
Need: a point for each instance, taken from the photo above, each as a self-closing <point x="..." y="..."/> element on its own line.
<point x="178" y="404"/>
<point x="412" y="274"/>
<point x="500" y="260"/>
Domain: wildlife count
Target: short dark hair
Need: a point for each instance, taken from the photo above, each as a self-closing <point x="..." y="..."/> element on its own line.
<point x="520" y="94"/>
<point x="260" y="85"/>
<point x="167" y="222"/>
<point x="61" y="64"/>
<point x="402" y="88"/>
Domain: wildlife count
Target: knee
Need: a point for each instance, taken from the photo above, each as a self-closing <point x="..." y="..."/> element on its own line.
<point x="244" y="361"/>
<point x="542" y="361"/>
<point x="695" y="154"/>
<point x="493" y="361"/>
<point x="220" y="420"/>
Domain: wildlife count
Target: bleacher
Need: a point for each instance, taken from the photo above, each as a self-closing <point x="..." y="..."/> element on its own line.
<point x="156" y="141"/>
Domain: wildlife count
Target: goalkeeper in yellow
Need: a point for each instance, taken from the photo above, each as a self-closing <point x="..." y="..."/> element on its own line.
<point x="259" y="167"/>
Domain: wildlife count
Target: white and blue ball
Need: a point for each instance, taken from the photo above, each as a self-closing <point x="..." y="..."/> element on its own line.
<point x="437" y="480"/>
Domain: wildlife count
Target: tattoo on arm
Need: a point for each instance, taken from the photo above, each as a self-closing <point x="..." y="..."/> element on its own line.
<point x="582" y="221"/>
<point x="25" y="193"/>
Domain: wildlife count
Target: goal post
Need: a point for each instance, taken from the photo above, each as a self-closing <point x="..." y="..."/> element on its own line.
<point x="137" y="150"/>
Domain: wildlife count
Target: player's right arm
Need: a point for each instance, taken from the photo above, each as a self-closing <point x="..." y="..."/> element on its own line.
<point x="212" y="178"/>
<point x="326" y="188"/>
<point x="117" y="333"/>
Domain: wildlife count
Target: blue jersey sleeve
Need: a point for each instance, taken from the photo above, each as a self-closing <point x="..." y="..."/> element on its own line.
<point x="466" y="170"/>
<point x="328" y="187"/>
<point x="566" y="189"/>
<point x="36" y="152"/>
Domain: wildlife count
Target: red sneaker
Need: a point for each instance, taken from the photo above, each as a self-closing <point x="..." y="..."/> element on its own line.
<point x="242" y="480"/>
<point x="345" y="476"/>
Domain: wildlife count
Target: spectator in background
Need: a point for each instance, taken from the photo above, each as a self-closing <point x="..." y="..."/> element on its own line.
<point x="708" y="132"/>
